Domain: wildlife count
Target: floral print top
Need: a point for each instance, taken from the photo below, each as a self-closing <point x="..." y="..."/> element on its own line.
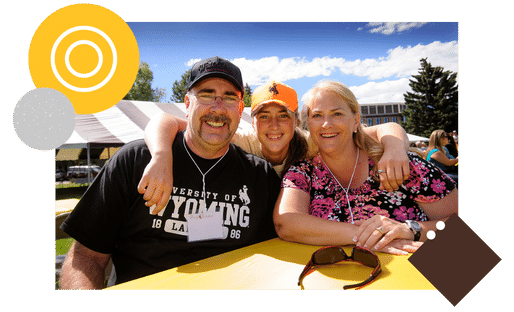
<point x="426" y="183"/>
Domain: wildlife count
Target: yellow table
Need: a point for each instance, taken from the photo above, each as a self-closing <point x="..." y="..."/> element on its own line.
<point x="276" y="264"/>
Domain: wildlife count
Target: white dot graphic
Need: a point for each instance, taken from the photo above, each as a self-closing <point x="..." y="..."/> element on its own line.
<point x="56" y="72"/>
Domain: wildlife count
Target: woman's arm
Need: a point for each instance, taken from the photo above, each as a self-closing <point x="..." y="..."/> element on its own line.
<point x="293" y="222"/>
<point x="441" y="157"/>
<point x="157" y="181"/>
<point x="394" y="161"/>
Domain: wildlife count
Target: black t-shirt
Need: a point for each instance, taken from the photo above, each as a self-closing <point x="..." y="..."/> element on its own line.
<point x="112" y="218"/>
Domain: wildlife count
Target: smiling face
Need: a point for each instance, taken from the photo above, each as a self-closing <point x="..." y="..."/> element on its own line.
<point x="211" y="127"/>
<point x="274" y="126"/>
<point x="331" y="122"/>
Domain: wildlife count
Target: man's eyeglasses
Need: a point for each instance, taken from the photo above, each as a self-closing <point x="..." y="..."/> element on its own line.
<point x="228" y="100"/>
<point x="334" y="254"/>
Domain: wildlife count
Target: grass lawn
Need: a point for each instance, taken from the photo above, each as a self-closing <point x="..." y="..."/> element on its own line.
<point x="62" y="246"/>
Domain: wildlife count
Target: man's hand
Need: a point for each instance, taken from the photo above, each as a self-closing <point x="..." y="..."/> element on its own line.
<point x="393" y="169"/>
<point x="157" y="183"/>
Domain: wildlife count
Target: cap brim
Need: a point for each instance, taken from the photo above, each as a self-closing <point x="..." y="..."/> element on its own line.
<point x="219" y="75"/>
<point x="258" y="107"/>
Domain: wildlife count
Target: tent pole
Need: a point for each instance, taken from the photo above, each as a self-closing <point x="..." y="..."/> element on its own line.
<point x="88" y="164"/>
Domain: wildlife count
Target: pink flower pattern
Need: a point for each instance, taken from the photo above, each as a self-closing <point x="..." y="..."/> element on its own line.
<point x="328" y="201"/>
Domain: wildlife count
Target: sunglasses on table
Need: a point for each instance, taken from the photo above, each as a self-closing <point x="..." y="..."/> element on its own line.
<point x="334" y="254"/>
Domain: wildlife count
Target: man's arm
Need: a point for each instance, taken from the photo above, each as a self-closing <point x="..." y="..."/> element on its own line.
<point x="394" y="161"/>
<point x="83" y="268"/>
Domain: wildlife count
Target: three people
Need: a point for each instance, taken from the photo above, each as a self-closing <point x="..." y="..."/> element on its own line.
<point x="335" y="199"/>
<point x="276" y="137"/>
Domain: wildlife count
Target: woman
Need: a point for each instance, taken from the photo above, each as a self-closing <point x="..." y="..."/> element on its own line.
<point x="439" y="155"/>
<point x="340" y="184"/>
<point x="276" y="138"/>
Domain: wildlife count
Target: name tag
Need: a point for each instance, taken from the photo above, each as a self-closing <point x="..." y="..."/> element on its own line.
<point x="204" y="226"/>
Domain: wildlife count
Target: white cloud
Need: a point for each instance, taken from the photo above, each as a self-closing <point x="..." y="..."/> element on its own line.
<point x="262" y="70"/>
<point x="192" y="62"/>
<point x="400" y="62"/>
<point x="381" y="92"/>
<point x="391" y="28"/>
<point x="404" y="62"/>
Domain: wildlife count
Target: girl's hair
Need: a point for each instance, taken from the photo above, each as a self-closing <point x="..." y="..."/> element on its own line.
<point x="298" y="148"/>
<point x="365" y="142"/>
<point x="435" y="140"/>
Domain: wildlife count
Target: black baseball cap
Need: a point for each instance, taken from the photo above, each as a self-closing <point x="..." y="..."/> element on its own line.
<point x="216" y="67"/>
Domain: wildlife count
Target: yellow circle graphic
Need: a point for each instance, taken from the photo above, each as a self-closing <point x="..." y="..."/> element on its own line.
<point x="88" y="53"/>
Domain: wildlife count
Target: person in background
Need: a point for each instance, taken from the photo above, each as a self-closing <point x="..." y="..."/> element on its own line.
<point x="440" y="156"/>
<point x="335" y="199"/>
<point x="218" y="186"/>
<point x="455" y="137"/>
<point x="451" y="147"/>
<point x="276" y="137"/>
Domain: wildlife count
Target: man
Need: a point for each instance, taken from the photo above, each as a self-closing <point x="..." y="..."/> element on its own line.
<point x="222" y="197"/>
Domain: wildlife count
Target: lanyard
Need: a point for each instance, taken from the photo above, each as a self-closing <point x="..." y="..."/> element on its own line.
<point x="351" y="179"/>
<point x="200" y="170"/>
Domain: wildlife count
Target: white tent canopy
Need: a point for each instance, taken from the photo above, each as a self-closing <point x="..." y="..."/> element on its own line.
<point x="415" y="138"/>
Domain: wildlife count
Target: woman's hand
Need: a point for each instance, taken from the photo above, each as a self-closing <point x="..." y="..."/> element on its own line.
<point x="393" y="168"/>
<point x="157" y="183"/>
<point x="401" y="247"/>
<point x="379" y="232"/>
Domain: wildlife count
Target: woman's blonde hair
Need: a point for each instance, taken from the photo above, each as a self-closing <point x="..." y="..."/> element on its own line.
<point x="365" y="142"/>
<point x="435" y="140"/>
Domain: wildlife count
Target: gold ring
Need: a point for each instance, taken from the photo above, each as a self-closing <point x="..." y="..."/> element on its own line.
<point x="380" y="230"/>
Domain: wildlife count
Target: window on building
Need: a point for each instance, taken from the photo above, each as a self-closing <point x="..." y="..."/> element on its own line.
<point x="386" y="119"/>
<point x="370" y="122"/>
<point x="380" y="109"/>
<point x="377" y="121"/>
<point x="372" y="110"/>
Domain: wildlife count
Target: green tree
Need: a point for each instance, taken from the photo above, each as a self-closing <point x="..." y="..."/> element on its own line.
<point x="142" y="88"/>
<point x="433" y="102"/>
<point x="248" y="96"/>
<point x="179" y="88"/>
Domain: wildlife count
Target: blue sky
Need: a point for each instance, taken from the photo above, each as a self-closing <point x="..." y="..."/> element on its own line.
<point x="375" y="60"/>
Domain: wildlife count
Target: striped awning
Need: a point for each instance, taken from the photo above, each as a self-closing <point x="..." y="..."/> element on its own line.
<point x="68" y="154"/>
<point x="125" y="122"/>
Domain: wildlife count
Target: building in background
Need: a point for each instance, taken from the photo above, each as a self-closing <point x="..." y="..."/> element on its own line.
<point x="379" y="113"/>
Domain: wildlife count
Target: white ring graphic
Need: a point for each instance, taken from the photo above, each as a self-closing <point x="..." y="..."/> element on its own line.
<point x="98" y="66"/>
<point x="114" y="57"/>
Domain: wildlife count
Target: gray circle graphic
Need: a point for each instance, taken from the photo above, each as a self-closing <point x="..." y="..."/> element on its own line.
<point x="44" y="119"/>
